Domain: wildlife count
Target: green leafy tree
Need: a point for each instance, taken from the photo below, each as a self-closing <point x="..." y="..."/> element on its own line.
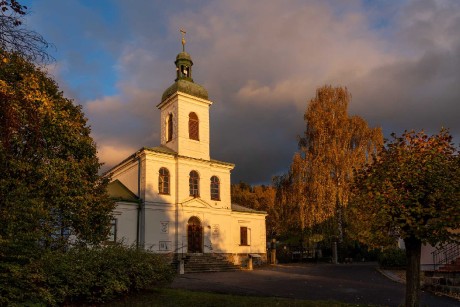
<point x="410" y="191"/>
<point x="50" y="192"/>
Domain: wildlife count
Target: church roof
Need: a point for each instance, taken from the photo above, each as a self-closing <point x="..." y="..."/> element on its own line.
<point x="238" y="208"/>
<point x="187" y="87"/>
<point x="184" y="56"/>
<point x="184" y="81"/>
<point x="161" y="149"/>
<point x="118" y="191"/>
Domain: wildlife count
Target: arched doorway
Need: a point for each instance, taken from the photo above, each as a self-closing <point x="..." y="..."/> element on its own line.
<point x="194" y="235"/>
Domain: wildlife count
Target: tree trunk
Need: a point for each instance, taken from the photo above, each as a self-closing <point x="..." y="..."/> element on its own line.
<point x="413" y="253"/>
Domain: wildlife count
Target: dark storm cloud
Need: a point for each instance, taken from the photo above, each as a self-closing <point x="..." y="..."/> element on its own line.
<point x="419" y="90"/>
<point x="261" y="62"/>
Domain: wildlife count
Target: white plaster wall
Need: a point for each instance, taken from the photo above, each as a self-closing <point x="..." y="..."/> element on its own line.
<point x="169" y="107"/>
<point x="224" y="177"/>
<point x="426" y="256"/>
<point x="152" y="168"/>
<point x="187" y="147"/>
<point x="205" y="171"/>
<point x="256" y="239"/>
<point x="160" y="227"/>
<point x="215" y="224"/>
<point x="128" y="175"/>
<point x="126" y="215"/>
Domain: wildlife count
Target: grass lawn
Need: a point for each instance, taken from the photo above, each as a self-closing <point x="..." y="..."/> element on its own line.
<point x="175" y="297"/>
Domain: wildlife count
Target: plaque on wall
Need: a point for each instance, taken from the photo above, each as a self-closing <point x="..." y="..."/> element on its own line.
<point x="215" y="229"/>
<point x="164" y="227"/>
<point x="165" y="245"/>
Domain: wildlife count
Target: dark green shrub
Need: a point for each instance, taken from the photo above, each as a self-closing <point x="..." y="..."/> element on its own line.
<point x="23" y="284"/>
<point x="393" y="258"/>
<point x="103" y="274"/>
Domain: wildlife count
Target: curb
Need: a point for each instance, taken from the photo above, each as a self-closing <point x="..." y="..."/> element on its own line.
<point x="391" y="276"/>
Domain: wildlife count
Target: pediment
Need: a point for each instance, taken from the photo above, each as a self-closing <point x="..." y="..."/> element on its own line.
<point x="195" y="203"/>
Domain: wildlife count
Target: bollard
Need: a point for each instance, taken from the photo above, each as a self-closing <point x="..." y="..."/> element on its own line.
<point x="334" y="253"/>
<point x="273" y="252"/>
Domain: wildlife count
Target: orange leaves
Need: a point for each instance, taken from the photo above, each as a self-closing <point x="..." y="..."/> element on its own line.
<point x="414" y="183"/>
<point x="333" y="145"/>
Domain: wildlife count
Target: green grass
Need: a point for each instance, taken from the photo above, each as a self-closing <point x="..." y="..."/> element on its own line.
<point x="175" y="297"/>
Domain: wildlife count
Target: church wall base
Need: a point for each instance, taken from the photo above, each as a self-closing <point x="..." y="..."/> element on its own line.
<point x="238" y="259"/>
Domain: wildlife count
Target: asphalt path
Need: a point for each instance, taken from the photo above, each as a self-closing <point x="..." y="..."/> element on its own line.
<point x="350" y="283"/>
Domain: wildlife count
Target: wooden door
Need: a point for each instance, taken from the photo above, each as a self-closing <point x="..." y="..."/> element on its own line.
<point x="194" y="236"/>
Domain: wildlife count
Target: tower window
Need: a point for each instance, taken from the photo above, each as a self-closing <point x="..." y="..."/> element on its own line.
<point x="215" y="188"/>
<point x="163" y="181"/>
<point x="194" y="183"/>
<point x="170" y="127"/>
<point x="184" y="71"/>
<point x="193" y="126"/>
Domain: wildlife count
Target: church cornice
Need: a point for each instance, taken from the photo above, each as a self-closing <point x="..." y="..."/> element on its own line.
<point x="180" y="93"/>
<point x="167" y="151"/>
<point x="163" y="150"/>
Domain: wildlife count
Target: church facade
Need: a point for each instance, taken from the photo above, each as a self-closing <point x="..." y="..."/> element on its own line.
<point x="174" y="198"/>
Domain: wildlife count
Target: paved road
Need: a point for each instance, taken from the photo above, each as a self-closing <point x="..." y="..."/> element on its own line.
<point x="351" y="283"/>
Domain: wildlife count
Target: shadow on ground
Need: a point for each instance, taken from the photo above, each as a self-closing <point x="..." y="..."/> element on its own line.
<point x="351" y="283"/>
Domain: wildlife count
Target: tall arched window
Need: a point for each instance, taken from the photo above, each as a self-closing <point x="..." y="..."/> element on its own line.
<point x="215" y="188"/>
<point x="170" y="127"/>
<point x="194" y="183"/>
<point x="163" y="181"/>
<point x="193" y="126"/>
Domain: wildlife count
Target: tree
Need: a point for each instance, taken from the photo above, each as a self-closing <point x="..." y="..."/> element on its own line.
<point x="259" y="197"/>
<point x="50" y="192"/>
<point x="317" y="188"/>
<point x="15" y="38"/>
<point x="410" y="191"/>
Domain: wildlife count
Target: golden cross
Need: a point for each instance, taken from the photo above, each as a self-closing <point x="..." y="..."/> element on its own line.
<point x="183" y="39"/>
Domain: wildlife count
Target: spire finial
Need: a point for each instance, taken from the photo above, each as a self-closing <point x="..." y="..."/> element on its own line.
<point x="182" y="31"/>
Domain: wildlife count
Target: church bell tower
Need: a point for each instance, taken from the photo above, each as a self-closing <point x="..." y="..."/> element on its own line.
<point x="185" y="112"/>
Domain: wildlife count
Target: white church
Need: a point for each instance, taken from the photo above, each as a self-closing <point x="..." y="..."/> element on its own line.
<point x="174" y="198"/>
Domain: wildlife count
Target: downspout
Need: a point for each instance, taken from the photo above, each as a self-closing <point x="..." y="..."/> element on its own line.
<point x="138" y="223"/>
<point x="176" y="224"/>
<point x="141" y="211"/>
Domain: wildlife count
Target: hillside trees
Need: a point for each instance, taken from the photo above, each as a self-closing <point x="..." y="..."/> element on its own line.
<point x="410" y="191"/>
<point x="315" y="191"/>
<point x="50" y="190"/>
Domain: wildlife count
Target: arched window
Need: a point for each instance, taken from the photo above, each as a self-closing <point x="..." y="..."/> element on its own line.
<point x="215" y="188"/>
<point x="163" y="181"/>
<point x="193" y="126"/>
<point x="194" y="183"/>
<point x="170" y="127"/>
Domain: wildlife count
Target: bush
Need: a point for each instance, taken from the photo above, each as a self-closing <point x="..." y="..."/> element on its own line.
<point x="80" y="275"/>
<point x="393" y="258"/>
<point x="95" y="275"/>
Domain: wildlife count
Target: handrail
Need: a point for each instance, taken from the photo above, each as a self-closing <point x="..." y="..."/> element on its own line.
<point x="447" y="253"/>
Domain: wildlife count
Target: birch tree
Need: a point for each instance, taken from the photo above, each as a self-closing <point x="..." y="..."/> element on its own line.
<point x="332" y="146"/>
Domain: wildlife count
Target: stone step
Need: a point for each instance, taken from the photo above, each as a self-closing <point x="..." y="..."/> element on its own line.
<point x="207" y="263"/>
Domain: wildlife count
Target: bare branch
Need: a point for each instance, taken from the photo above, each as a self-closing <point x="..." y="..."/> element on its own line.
<point x="15" y="38"/>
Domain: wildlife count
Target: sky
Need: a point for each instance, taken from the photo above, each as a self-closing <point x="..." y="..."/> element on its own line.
<point x="261" y="62"/>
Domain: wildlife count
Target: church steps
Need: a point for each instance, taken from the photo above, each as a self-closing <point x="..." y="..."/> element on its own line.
<point x="195" y="263"/>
